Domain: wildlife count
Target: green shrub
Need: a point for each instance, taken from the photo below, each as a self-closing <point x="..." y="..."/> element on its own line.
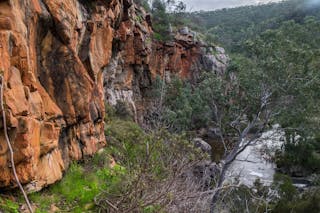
<point x="285" y="186"/>
<point x="186" y="106"/>
<point x="9" y="206"/>
<point x="290" y="200"/>
<point x="151" y="163"/>
<point x="308" y="201"/>
<point x="77" y="190"/>
<point x="303" y="154"/>
<point x="159" y="37"/>
<point x="77" y="186"/>
<point x="123" y="110"/>
<point x="110" y="112"/>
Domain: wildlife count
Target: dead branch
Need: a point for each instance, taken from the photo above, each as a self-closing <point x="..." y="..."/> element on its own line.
<point x="241" y="145"/>
<point x="13" y="166"/>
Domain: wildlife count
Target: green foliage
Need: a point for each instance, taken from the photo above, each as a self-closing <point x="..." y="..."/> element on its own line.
<point x="123" y="110"/>
<point x="283" y="63"/>
<point x="213" y="100"/>
<point x="131" y="146"/>
<point x="44" y="200"/>
<point x="9" y="206"/>
<point x="167" y="14"/>
<point x="185" y="108"/>
<point x="145" y="164"/>
<point x="81" y="184"/>
<point x="287" y="59"/>
<point x="259" y="199"/>
<point x="144" y="4"/>
<point x="284" y="184"/>
<point x="231" y="27"/>
<point x="275" y="49"/>
<point x="159" y="37"/>
<point x="303" y="154"/>
<point x="76" y="186"/>
<point x="147" y="160"/>
<point x="153" y="209"/>
<point x="161" y="20"/>
<point x="291" y="201"/>
<point x="110" y="113"/>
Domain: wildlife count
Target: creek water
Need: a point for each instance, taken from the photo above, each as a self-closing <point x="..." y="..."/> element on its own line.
<point x="255" y="160"/>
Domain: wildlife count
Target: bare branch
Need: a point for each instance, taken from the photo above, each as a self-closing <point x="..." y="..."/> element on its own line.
<point x="13" y="166"/>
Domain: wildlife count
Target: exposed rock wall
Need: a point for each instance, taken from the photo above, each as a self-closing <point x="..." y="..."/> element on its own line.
<point x="52" y="57"/>
<point x="60" y="59"/>
<point x="137" y="59"/>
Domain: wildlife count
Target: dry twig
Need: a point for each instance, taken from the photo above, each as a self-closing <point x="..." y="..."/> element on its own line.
<point x="11" y="149"/>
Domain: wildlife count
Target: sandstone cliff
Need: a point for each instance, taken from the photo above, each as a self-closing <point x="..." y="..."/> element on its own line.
<point x="137" y="59"/>
<point x="61" y="60"/>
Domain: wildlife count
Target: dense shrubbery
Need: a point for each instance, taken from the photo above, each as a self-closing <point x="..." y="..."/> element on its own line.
<point x="290" y="200"/>
<point x="150" y="174"/>
<point x="231" y="27"/>
<point x="288" y="59"/>
<point x="185" y="106"/>
<point x="284" y="62"/>
<point x="281" y="197"/>
<point x="303" y="156"/>
<point x="167" y="15"/>
<point x="154" y="166"/>
<point x="275" y="48"/>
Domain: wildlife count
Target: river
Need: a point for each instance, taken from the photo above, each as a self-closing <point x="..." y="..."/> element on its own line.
<point x="255" y="161"/>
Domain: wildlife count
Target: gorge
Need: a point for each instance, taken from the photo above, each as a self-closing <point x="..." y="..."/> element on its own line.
<point x="141" y="106"/>
<point x="62" y="60"/>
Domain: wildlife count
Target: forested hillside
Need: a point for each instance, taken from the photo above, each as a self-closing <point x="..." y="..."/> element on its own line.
<point x="274" y="48"/>
<point x="230" y="27"/>
<point x="276" y="45"/>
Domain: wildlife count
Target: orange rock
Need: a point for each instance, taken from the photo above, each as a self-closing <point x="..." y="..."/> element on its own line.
<point x="49" y="170"/>
<point x="49" y="137"/>
<point x="50" y="94"/>
<point x="100" y="46"/>
<point x="67" y="16"/>
<point x="5" y="23"/>
<point x="59" y="60"/>
<point x="15" y="95"/>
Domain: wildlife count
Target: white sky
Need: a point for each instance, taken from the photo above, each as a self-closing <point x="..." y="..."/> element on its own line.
<point x="196" y="5"/>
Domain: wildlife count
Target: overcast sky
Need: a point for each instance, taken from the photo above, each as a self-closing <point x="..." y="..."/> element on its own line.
<point x="195" y="5"/>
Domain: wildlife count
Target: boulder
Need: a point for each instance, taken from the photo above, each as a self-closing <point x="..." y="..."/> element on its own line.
<point x="206" y="172"/>
<point x="201" y="144"/>
<point x="184" y="31"/>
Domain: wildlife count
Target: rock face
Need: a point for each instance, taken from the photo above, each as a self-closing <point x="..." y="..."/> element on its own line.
<point x="61" y="59"/>
<point x="52" y="57"/>
<point x="138" y="59"/>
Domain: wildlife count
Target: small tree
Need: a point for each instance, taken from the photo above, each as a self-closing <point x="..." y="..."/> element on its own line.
<point x="166" y="13"/>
